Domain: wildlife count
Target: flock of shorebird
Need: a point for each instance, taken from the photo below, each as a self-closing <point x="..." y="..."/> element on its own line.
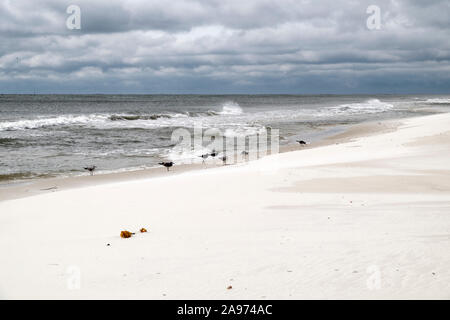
<point x="213" y="154"/>
<point x="205" y="156"/>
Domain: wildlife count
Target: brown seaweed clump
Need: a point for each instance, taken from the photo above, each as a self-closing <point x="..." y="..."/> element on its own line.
<point x="126" y="234"/>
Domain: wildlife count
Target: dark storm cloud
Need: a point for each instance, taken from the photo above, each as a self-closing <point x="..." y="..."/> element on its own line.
<point x="288" y="46"/>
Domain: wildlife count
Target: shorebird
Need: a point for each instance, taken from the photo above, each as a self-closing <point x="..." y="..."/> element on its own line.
<point x="224" y="159"/>
<point x="166" y="164"/>
<point x="204" y="157"/>
<point x="301" y="141"/>
<point x="90" y="169"/>
<point x="244" y="153"/>
<point x="214" y="153"/>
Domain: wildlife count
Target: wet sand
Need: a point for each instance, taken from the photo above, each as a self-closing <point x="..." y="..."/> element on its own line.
<point x="41" y="186"/>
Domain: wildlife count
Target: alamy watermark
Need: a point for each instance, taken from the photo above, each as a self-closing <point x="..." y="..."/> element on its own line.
<point x="373" y="22"/>
<point x="73" y="278"/>
<point x="73" y="22"/>
<point x="373" y="282"/>
<point x="228" y="148"/>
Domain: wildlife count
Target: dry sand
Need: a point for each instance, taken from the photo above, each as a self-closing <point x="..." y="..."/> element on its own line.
<point x="366" y="216"/>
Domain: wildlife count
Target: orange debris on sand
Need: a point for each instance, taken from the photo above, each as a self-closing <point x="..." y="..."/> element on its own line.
<point x="143" y="230"/>
<point x="125" y="234"/>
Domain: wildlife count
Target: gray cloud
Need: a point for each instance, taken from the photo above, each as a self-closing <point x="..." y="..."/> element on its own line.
<point x="286" y="46"/>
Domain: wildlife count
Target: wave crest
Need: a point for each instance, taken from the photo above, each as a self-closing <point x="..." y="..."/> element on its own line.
<point x="370" y="106"/>
<point x="48" y="122"/>
<point x="231" y="108"/>
<point x="438" y="101"/>
<point x="131" y="117"/>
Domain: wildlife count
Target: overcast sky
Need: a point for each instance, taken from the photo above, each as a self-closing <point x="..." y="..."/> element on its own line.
<point x="225" y="46"/>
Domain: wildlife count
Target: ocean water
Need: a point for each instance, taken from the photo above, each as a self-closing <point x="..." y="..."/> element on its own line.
<point x="57" y="135"/>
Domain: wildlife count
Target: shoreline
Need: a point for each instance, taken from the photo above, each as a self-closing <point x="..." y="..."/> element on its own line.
<point x="32" y="187"/>
<point x="363" y="218"/>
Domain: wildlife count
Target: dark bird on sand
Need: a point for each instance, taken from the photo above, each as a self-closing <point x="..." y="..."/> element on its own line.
<point x="213" y="153"/>
<point x="90" y="169"/>
<point x="166" y="164"/>
<point x="204" y="156"/>
<point x="244" y="153"/>
<point x="301" y="141"/>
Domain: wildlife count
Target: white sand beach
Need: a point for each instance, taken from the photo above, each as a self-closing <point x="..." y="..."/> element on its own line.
<point x="365" y="218"/>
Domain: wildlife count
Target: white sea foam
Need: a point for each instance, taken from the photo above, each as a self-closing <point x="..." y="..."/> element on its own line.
<point x="52" y="121"/>
<point x="125" y="153"/>
<point x="231" y="116"/>
<point x="125" y="120"/>
<point x="231" y="108"/>
<point x="184" y="154"/>
<point x="370" y="106"/>
<point x="439" y="101"/>
<point x="244" y="131"/>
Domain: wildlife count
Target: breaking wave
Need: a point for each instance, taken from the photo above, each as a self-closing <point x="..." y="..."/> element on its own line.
<point x="131" y="117"/>
<point x="370" y="106"/>
<point x="48" y="122"/>
<point x="231" y="108"/>
<point x="439" y="101"/>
